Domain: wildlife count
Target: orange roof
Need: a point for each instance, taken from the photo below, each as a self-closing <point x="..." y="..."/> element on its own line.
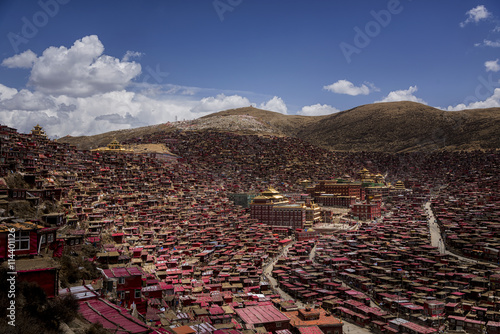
<point x="183" y="330"/>
<point x="324" y="319"/>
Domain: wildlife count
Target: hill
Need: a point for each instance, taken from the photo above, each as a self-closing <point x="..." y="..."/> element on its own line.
<point x="386" y="127"/>
<point x="406" y="126"/>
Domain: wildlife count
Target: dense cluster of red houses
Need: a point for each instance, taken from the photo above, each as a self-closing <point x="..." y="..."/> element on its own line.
<point x="176" y="254"/>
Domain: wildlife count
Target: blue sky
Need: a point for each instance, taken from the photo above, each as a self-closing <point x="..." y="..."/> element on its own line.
<point x="85" y="67"/>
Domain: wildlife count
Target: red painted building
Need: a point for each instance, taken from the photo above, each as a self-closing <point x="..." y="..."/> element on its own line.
<point x="335" y="200"/>
<point x="126" y="283"/>
<point x="433" y="308"/>
<point x="46" y="278"/>
<point x="266" y="316"/>
<point x="309" y="234"/>
<point x="366" y="211"/>
<point x="271" y="208"/>
<point x="24" y="236"/>
<point x="309" y="318"/>
<point x="339" y="188"/>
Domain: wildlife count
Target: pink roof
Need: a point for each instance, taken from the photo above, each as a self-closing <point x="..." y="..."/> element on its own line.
<point x="310" y="330"/>
<point x="123" y="272"/>
<point x="112" y="317"/>
<point x="261" y="314"/>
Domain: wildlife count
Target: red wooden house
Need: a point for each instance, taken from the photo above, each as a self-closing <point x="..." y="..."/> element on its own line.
<point x="126" y="283"/>
<point x="24" y="236"/>
<point x="46" y="278"/>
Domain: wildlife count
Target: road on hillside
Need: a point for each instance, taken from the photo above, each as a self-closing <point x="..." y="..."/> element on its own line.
<point x="348" y="327"/>
<point x="436" y="239"/>
<point x="274" y="284"/>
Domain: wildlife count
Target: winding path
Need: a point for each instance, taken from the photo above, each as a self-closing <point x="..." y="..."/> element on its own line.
<point x="436" y="239"/>
<point x="348" y="327"/>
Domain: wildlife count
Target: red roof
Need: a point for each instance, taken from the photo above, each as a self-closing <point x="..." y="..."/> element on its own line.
<point x="122" y="272"/>
<point x="112" y="317"/>
<point x="261" y="314"/>
<point x="310" y="330"/>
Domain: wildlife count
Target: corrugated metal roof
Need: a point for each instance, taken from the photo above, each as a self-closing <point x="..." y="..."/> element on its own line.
<point x="112" y="317"/>
<point x="261" y="314"/>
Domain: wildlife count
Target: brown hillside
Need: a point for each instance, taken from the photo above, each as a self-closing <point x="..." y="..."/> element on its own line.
<point x="387" y="127"/>
<point x="103" y="139"/>
<point x="282" y="124"/>
<point x="406" y="126"/>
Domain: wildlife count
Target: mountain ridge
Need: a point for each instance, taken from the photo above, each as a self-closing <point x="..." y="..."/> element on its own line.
<point x="385" y="127"/>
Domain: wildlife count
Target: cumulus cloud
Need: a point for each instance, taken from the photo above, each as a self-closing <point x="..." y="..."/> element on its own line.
<point x="317" y="110"/>
<point x="492" y="65"/>
<point x="491" y="44"/>
<point x="82" y="91"/>
<point x="491" y="102"/>
<point x="347" y="87"/>
<point x="475" y="15"/>
<point x="221" y="102"/>
<point x="63" y="115"/>
<point x="80" y="71"/>
<point x="6" y="92"/>
<point x="22" y="60"/>
<point x="26" y="100"/>
<point x="275" y="104"/>
<point x="403" y="95"/>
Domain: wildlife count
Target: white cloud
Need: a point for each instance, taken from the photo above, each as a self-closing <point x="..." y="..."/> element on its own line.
<point x="491" y="44"/>
<point x="317" y="110"/>
<point x="492" y="65"/>
<point x="275" y="104"/>
<point x="403" y="95"/>
<point x="22" y="60"/>
<point x="475" y="15"/>
<point x="63" y="115"/>
<point x="131" y="54"/>
<point x="221" y="102"/>
<point x="6" y="92"/>
<point x="82" y="70"/>
<point x="81" y="91"/>
<point x="347" y="87"/>
<point x="491" y="102"/>
<point x="26" y="100"/>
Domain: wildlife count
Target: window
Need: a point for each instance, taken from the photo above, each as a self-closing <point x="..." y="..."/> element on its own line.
<point x="22" y="240"/>
<point x="278" y="325"/>
<point x="121" y="280"/>
<point x="42" y="238"/>
<point x="50" y="237"/>
<point x="137" y="294"/>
